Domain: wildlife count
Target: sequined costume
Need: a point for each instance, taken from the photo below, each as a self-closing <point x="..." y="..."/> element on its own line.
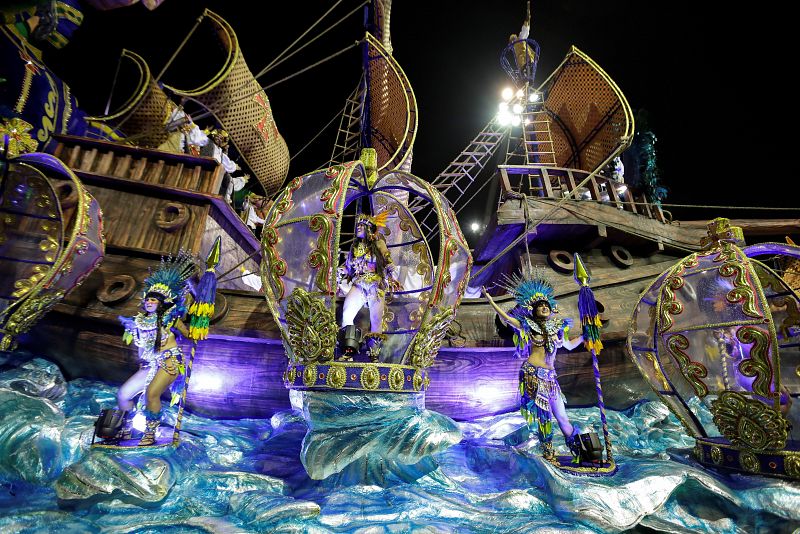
<point x="142" y="332"/>
<point x="361" y="267"/>
<point x="164" y="304"/>
<point x="368" y="273"/>
<point x="538" y="334"/>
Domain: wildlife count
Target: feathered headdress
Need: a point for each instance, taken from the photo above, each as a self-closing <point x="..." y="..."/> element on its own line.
<point x="528" y="289"/>
<point x="168" y="280"/>
<point x="378" y="221"/>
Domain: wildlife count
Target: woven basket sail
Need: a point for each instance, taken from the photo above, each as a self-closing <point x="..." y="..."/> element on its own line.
<point x="142" y="118"/>
<point x="590" y="117"/>
<point x="392" y="111"/>
<point x="243" y="110"/>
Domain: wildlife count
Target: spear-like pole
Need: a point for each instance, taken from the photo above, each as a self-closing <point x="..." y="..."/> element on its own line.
<point x="200" y="312"/>
<point x="590" y="321"/>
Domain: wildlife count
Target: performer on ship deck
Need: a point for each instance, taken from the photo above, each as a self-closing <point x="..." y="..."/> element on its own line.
<point x="538" y="336"/>
<point x="366" y="276"/>
<point x="161" y="359"/>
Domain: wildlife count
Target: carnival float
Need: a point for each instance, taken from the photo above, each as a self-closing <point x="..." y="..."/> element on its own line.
<point x="342" y="360"/>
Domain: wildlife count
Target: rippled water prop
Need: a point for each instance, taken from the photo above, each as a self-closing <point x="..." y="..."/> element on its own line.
<point x="367" y="421"/>
<point x="720" y="331"/>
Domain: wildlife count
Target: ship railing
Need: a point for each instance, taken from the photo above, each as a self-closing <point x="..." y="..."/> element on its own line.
<point x="555" y="183"/>
<point x="91" y="157"/>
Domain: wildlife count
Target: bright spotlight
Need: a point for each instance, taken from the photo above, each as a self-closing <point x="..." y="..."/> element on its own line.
<point x="504" y="118"/>
<point x="503" y="106"/>
<point x="508" y="93"/>
<point x="474" y="227"/>
<point x="517" y="108"/>
<point x="139" y="421"/>
<point x="520" y="93"/>
<point x="516" y="120"/>
<point x="534" y="97"/>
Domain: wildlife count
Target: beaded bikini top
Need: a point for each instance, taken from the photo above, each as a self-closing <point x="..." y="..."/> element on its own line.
<point x="548" y="334"/>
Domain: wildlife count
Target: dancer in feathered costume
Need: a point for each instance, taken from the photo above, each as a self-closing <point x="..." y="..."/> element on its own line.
<point x="161" y="359"/>
<point x="366" y="276"/>
<point x="538" y="336"/>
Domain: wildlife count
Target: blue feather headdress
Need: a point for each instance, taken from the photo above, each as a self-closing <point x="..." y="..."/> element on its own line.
<point x="168" y="280"/>
<point x="531" y="288"/>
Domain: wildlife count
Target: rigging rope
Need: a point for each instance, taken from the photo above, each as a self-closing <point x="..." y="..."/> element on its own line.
<point x="338" y="114"/>
<point x="329" y="28"/>
<point x="266" y="87"/>
<point x="265" y="69"/>
<point x="220" y="104"/>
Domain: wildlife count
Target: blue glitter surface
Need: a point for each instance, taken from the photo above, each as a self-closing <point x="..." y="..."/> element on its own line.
<point x="247" y="476"/>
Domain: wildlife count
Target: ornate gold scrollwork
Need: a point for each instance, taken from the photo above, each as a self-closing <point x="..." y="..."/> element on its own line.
<point x="310" y="375"/>
<point x="396" y="379"/>
<point x="749" y="461"/>
<point x="428" y="340"/>
<point x="337" y="376"/>
<point x="331" y="195"/>
<point x="757" y="365"/>
<point x="716" y="455"/>
<point x="424" y="265"/>
<point x="370" y="377"/>
<point x="444" y="278"/>
<point x="749" y="423"/>
<point x="692" y="371"/>
<point x="417" y="315"/>
<point x="741" y="291"/>
<point x="320" y="257"/>
<point x="274" y="267"/>
<point x="282" y="203"/>
<point x="418" y="380"/>
<point x="791" y="464"/>
<point x="669" y="302"/>
<point x="27" y="314"/>
<point x="312" y="328"/>
<point x="726" y="253"/>
<point x="690" y="262"/>
<point x="22" y="287"/>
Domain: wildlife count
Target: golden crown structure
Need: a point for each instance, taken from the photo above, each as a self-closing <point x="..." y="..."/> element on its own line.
<point x="300" y="244"/>
<point x="717" y="338"/>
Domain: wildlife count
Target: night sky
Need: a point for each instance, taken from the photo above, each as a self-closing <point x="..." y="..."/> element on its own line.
<point x="679" y="62"/>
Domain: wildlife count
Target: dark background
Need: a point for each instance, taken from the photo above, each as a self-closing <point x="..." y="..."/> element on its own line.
<point x="682" y="62"/>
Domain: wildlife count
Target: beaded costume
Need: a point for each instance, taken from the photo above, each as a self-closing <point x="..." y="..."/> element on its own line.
<point x="538" y="386"/>
<point x="167" y="284"/>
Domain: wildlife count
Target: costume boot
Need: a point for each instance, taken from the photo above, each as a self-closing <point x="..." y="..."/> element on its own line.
<point x="152" y="424"/>
<point x="548" y="453"/>
<point x="349" y="342"/>
<point x="574" y="444"/>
